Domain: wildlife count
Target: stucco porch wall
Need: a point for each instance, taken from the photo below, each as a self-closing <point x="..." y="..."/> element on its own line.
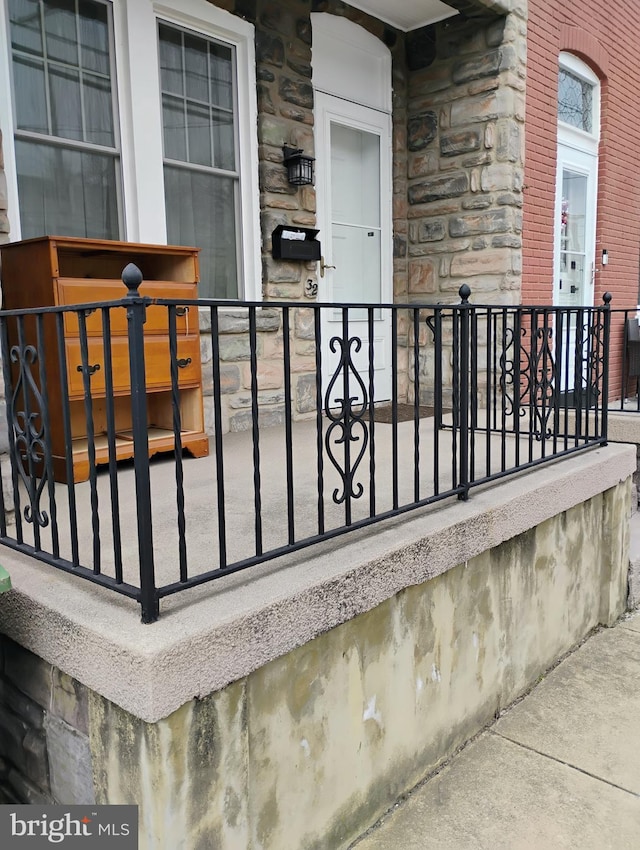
<point x="290" y="711"/>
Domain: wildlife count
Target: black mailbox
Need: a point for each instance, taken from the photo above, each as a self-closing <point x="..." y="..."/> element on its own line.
<point x="294" y="243"/>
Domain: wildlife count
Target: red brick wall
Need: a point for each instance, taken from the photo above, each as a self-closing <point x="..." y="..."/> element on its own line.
<point x="606" y="35"/>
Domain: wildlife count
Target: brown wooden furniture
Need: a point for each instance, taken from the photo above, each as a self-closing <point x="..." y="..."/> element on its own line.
<point x="64" y="271"/>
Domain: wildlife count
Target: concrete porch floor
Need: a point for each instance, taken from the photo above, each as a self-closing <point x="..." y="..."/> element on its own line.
<point x="489" y="455"/>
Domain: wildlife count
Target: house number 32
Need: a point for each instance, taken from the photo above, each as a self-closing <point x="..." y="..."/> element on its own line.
<point x="310" y="289"/>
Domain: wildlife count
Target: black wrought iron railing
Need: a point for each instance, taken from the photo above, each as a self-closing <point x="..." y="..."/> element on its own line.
<point x="374" y="410"/>
<point x="625" y="360"/>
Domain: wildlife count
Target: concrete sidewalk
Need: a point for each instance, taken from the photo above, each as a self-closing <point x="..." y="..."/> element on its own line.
<point x="560" y="769"/>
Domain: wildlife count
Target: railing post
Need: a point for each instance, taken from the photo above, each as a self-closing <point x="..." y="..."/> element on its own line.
<point x="463" y="362"/>
<point x="606" y="298"/>
<point x="136" y="310"/>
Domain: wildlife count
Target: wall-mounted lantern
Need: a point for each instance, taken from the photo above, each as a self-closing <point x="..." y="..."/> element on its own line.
<point x="299" y="166"/>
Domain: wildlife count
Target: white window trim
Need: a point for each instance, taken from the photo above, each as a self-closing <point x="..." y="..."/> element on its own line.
<point x="567" y="133"/>
<point x="138" y="75"/>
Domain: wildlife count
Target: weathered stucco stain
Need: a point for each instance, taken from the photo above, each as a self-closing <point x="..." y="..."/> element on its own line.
<point x="308" y="750"/>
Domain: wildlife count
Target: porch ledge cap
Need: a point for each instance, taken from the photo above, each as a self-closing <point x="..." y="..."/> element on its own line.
<point x="210" y="636"/>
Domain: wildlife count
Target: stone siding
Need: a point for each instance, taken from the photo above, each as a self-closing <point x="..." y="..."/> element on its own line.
<point x="44" y="732"/>
<point x="464" y="161"/>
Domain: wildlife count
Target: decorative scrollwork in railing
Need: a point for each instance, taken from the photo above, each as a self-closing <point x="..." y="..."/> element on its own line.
<point x="346" y="419"/>
<point x="596" y="358"/>
<point x="507" y="371"/>
<point x="536" y="376"/>
<point x="29" y="438"/>
<point x="542" y="386"/>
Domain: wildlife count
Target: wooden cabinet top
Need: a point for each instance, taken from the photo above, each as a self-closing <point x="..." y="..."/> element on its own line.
<point x="56" y="257"/>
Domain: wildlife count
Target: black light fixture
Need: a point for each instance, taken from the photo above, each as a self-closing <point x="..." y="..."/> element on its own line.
<point x="299" y="166"/>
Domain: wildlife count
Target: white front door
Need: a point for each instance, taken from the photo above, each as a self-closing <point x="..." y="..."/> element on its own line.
<point x="353" y="183"/>
<point x="575" y="243"/>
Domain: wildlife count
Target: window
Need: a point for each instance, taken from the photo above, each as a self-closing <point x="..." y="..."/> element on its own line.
<point x="67" y="157"/>
<point x="575" y="101"/>
<point x="200" y="175"/>
<point x="578" y="98"/>
<point x="135" y="121"/>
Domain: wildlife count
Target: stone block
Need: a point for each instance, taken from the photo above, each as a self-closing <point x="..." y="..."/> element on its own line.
<point x="269" y="375"/>
<point x="486" y="65"/>
<point x="272" y="131"/>
<point x="422" y="276"/>
<point x="69" y="764"/>
<point x="25" y="791"/>
<point x="285" y="291"/>
<point x="303" y="30"/>
<point x="21" y="705"/>
<point x="267" y="418"/>
<point x="69" y="701"/>
<point x="449" y="186"/>
<point x="509" y="141"/>
<point x="497" y="177"/>
<point x="428" y="231"/>
<point x="273" y="178"/>
<point x="234" y="348"/>
<point x="495" y="32"/>
<point x="280" y="271"/>
<point x="299" y="66"/>
<point x="492" y="221"/>
<point x="243" y="402"/>
<point x="306" y="394"/>
<point x="492" y="261"/>
<point x="421" y="130"/>
<point x="269" y="49"/>
<point x="478" y="202"/>
<point x="422" y="164"/>
<point x="297" y="92"/>
<point x="229" y="379"/>
<point x="508" y="240"/>
<point x="265" y="100"/>
<point x="462" y="141"/>
<point x="276" y="16"/>
<point x="303" y="324"/>
<point x="399" y="246"/>
<point x="29" y="673"/>
<point x="471" y="110"/>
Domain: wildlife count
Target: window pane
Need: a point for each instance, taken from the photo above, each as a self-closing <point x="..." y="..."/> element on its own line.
<point x="199" y="129"/>
<point x="97" y="109"/>
<point x="66" y="192"/>
<point x="60" y="30"/>
<point x="31" y="100"/>
<point x="26" y="33"/>
<point x="575" y="101"/>
<point x="221" y="73"/>
<point x="94" y="37"/>
<point x="66" y="110"/>
<point x="355" y="176"/>
<point x="201" y="212"/>
<point x="223" y="140"/>
<point x="196" y="68"/>
<point x="171" y="60"/>
<point x="175" y="140"/>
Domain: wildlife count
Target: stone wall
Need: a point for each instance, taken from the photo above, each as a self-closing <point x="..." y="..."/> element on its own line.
<point x="464" y="154"/>
<point x="44" y="732"/>
<point x="457" y="178"/>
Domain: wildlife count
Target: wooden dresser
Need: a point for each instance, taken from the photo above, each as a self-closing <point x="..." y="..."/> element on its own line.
<point x="64" y="271"/>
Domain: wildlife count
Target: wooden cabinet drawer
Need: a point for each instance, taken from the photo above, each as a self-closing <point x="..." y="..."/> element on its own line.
<point x="77" y="291"/>
<point x="157" y="364"/>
